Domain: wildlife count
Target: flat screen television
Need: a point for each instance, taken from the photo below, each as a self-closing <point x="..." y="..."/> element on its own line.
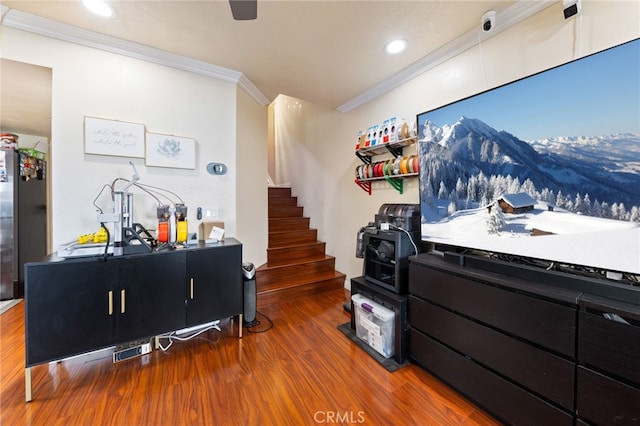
<point x="546" y="167"/>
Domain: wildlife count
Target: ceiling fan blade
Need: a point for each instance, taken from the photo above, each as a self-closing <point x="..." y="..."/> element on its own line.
<point x="244" y="10"/>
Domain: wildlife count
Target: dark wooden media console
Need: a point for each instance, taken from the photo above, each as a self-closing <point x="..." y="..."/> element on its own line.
<point x="529" y="346"/>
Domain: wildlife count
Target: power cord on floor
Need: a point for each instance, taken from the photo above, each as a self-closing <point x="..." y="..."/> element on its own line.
<point x="172" y="336"/>
<point x="269" y="327"/>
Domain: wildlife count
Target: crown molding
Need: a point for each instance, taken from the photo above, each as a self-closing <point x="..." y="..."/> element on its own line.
<point x="247" y="85"/>
<point x="504" y="20"/>
<point x="34" y="24"/>
<point x="26" y="22"/>
<point x="3" y="11"/>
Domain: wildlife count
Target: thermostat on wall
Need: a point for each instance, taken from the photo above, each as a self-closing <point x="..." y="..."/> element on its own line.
<point x="216" y="168"/>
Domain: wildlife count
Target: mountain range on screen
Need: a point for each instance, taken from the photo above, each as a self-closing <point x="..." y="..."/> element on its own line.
<point x="604" y="169"/>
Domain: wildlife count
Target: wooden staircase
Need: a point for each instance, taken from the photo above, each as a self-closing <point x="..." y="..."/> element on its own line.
<point x="296" y="261"/>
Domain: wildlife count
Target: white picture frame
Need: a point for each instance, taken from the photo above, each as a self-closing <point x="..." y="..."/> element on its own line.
<point x="170" y="151"/>
<point x="113" y="137"/>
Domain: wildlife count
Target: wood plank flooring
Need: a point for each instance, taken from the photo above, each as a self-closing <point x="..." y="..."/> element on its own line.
<point x="303" y="371"/>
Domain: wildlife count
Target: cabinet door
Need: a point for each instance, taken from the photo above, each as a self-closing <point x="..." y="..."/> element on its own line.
<point x="214" y="284"/>
<point x="67" y="308"/>
<point x="150" y="295"/>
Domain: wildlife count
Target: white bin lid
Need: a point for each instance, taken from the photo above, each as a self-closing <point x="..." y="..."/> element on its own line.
<point x="376" y="309"/>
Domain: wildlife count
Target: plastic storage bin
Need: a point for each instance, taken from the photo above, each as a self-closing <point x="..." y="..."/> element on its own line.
<point x="374" y="324"/>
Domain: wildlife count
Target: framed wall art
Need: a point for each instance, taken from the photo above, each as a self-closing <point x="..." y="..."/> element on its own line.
<point x="113" y="137"/>
<point x="170" y="151"/>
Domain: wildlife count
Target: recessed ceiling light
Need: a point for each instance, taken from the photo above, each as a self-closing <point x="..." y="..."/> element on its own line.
<point x="395" y="46"/>
<point x="99" y="7"/>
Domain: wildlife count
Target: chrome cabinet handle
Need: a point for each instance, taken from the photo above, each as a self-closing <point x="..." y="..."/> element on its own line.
<point x="122" y="302"/>
<point x="110" y="302"/>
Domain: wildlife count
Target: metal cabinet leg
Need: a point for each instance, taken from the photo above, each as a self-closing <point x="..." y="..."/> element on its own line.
<point x="240" y="326"/>
<point x="27" y="384"/>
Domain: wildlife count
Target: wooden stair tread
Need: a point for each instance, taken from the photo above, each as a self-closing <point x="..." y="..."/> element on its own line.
<point x="284" y="295"/>
<point x="301" y="226"/>
<point x="297" y="264"/>
<point x="284" y="211"/>
<point x="296" y="253"/>
<point x="288" y="219"/>
<point x="294" y="231"/>
<point x="313" y="257"/>
<point x="279" y="190"/>
<point x="278" y="265"/>
<point x="298" y="245"/>
<point x="279" y="276"/>
<point x="295" y="280"/>
<point x="282" y="201"/>
<point x="283" y="207"/>
<point x="331" y="275"/>
<point x="288" y="238"/>
<point x="281" y="224"/>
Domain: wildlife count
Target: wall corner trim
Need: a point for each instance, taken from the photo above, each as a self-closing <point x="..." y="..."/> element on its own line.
<point x="509" y="17"/>
<point x="19" y="20"/>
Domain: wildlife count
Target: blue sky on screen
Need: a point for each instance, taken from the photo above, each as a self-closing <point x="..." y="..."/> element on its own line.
<point x="593" y="96"/>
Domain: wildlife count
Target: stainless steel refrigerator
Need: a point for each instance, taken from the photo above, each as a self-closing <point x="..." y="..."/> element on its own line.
<point x="23" y="217"/>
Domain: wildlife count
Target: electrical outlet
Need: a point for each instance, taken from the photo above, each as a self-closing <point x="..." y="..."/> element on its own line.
<point x="209" y="213"/>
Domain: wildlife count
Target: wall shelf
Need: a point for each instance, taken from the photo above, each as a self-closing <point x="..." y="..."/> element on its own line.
<point x="394" y="171"/>
<point x="396" y="181"/>
<point x="395" y="148"/>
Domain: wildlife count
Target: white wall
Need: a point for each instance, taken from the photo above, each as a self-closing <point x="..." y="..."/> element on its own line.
<point x="90" y="82"/>
<point x="317" y="154"/>
<point x="314" y="157"/>
<point x="251" y="172"/>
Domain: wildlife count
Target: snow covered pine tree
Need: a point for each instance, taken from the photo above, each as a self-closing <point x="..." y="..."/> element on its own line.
<point x="495" y="220"/>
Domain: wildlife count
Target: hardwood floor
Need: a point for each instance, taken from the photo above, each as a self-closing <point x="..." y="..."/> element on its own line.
<point x="303" y="371"/>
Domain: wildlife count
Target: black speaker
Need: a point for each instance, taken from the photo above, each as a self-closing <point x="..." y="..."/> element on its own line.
<point x="250" y="295"/>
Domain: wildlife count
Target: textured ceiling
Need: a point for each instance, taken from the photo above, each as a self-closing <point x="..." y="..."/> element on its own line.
<point x="327" y="52"/>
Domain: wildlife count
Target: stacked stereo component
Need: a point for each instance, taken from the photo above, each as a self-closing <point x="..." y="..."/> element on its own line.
<point x="387" y="244"/>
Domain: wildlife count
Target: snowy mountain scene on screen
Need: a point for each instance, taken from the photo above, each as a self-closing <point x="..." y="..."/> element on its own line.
<point x="469" y="161"/>
<point x="546" y="167"/>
